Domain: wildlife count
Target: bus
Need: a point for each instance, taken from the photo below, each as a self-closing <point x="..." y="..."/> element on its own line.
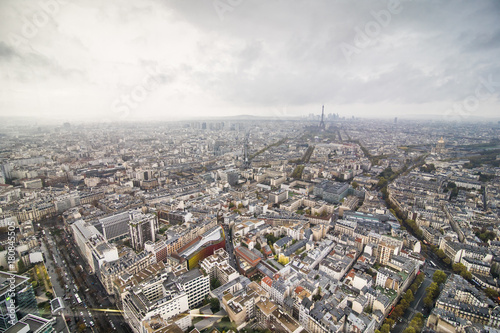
<point x="78" y="300"/>
<point x="432" y="263"/>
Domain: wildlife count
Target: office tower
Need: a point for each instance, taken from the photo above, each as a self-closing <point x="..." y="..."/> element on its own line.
<point x="142" y="228"/>
<point x="17" y="299"/>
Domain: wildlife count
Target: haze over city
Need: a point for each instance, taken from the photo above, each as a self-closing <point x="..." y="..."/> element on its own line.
<point x="262" y="166"/>
<point x="171" y="60"/>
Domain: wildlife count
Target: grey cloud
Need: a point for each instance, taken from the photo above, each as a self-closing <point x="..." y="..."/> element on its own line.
<point x="269" y="52"/>
<point x="6" y="51"/>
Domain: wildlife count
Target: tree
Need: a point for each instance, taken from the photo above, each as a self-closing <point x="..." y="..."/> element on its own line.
<point x="495" y="268"/>
<point x="439" y="277"/>
<point x="440" y="253"/>
<point x="385" y="328"/>
<point x="397" y="312"/>
<point x="417" y="322"/>
<point x="447" y="261"/>
<point x="257" y="246"/>
<point x="390" y="322"/>
<point x="409" y="296"/>
<point x="214" y="304"/>
<point x="466" y="275"/>
<point x="215" y="283"/>
<point x="458" y="268"/>
<point x="382" y="182"/>
<point x="433" y="290"/>
<point x="409" y="330"/>
<point x="21" y="267"/>
<point x="428" y="301"/>
<point x="354" y="185"/>
<point x="492" y="293"/>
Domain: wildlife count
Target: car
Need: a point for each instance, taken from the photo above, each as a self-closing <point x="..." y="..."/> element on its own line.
<point x="81" y="313"/>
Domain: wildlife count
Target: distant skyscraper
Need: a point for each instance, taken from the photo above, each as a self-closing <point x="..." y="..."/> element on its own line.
<point x="395" y="120"/>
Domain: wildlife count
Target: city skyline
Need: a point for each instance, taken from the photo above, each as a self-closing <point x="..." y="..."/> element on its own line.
<point x="87" y="61"/>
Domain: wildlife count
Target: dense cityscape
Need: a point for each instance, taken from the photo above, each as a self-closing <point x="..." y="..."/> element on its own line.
<point x="232" y="166"/>
<point x="316" y="224"/>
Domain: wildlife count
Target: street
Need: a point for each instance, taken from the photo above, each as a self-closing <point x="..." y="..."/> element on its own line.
<point x="418" y="304"/>
<point x="60" y="325"/>
<point x="90" y="309"/>
<point x="229" y="246"/>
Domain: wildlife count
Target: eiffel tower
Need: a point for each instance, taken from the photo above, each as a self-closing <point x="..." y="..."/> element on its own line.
<point x="322" y="123"/>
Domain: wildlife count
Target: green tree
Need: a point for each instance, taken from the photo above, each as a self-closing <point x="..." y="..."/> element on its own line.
<point x="385" y="328"/>
<point x="495" y="268"/>
<point x="440" y="253"/>
<point x="354" y="185"/>
<point x="492" y="293"/>
<point x="404" y="303"/>
<point x="215" y="283"/>
<point x="428" y="301"/>
<point x="397" y="312"/>
<point x="439" y="277"/>
<point x="21" y="267"/>
<point x="409" y="330"/>
<point x="417" y="322"/>
<point x="214" y="304"/>
<point x="466" y="275"/>
<point x="409" y="296"/>
<point x="458" y="268"/>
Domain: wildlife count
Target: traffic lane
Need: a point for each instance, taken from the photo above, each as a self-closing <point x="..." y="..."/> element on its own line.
<point x="419" y="295"/>
<point x="415" y="306"/>
<point x="60" y="325"/>
<point x="68" y="279"/>
<point x="91" y="317"/>
<point x="91" y="282"/>
<point x="61" y="291"/>
<point x="435" y="259"/>
<point x="74" y="260"/>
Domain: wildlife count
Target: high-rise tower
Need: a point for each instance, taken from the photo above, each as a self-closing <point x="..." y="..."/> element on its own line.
<point x="322" y="123"/>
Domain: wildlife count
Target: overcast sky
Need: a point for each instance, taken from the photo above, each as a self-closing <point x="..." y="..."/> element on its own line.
<point x="127" y="60"/>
